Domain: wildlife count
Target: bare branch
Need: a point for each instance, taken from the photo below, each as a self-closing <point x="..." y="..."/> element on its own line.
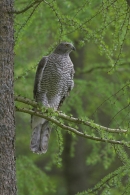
<point x="70" y="118"/>
<point x="71" y="129"/>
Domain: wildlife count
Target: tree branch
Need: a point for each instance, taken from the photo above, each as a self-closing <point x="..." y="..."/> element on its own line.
<point x="67" y="128"/>
<point x="70" y="118"/>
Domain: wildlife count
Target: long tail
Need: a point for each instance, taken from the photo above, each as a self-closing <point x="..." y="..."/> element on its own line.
<point x="40" y="135"/>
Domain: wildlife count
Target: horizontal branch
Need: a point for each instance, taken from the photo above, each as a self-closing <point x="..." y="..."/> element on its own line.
<point x="70" y="118"/>
<point x="25" y="101"/>
<point x="71" y="129"/>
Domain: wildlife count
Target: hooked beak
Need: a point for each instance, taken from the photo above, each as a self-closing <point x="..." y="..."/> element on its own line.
<point x="73" y="48"/>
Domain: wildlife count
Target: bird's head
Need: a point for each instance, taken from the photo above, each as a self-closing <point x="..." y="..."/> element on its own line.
<point x="64" y="47"/>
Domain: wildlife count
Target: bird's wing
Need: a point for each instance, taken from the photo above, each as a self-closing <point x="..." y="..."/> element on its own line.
<point x="39" y="73"/>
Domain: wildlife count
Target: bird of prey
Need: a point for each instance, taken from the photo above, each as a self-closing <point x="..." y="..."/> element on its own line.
<point x="53" y="82"/>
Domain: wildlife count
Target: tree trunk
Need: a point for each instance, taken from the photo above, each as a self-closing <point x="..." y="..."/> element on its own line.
<point x="7" y="124"/>
<point x="75" y="170"/>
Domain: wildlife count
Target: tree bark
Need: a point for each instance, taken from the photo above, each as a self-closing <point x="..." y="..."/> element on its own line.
<point x="7" y="123"/>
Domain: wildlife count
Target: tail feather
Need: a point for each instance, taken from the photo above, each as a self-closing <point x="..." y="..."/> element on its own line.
<point x="40" y="138"/>
<point x="45" y="135"/>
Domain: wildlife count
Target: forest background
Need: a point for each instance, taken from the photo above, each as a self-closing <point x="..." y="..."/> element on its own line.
<point x="100" y="31"/>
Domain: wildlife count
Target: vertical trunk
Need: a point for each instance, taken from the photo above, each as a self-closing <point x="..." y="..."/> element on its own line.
<point x="7" y="125"/>
<point x="75" y="170"/>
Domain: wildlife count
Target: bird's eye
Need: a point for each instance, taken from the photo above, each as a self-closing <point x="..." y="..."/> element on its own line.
<point x="67" y="45"/>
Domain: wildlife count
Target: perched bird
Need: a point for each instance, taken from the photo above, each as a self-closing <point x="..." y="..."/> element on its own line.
<point x="53" y="82"/>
